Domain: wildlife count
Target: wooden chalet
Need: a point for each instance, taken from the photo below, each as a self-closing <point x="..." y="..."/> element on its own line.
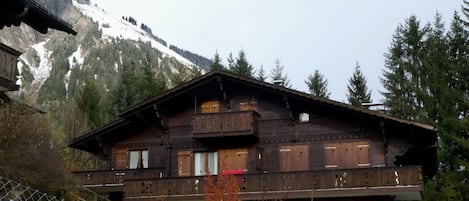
<point x="281" y="143"/>
<point x="12" y="13"/>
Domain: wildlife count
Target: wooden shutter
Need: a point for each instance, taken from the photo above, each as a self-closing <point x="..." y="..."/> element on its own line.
<point x="347" y="157"/>
<point x="285" y="159"/>
<point x="294" y="158"/>
<point x="361" y="151"/>
<point x="184" y="163"/>
<point x="248" y="105"/>
<point x="331" y="155"/>
<point x="121" y="158"/>
<point x="233" y="159"/>
<point x="211" y="106"/>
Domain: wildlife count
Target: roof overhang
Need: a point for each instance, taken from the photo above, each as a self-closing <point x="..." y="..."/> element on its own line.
<point x="13" y="12"/>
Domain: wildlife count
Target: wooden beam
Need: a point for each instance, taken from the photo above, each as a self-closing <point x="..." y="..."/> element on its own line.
<point x="224" y="93"/>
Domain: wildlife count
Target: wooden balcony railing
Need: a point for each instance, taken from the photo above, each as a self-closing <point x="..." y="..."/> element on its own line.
<point x="225" y="124"/>
<point x="8" y="69"/>
<point x="103" y="177"/>
<point x="381" y="181"/>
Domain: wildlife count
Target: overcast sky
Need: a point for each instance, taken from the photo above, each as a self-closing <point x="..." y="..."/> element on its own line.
<point x="305" y="35"/>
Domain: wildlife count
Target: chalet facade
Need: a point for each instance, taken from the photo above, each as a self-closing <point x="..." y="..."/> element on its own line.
<point x="281" y="143"/>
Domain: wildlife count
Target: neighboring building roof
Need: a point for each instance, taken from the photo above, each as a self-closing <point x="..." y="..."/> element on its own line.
<point x="13" y="12"/>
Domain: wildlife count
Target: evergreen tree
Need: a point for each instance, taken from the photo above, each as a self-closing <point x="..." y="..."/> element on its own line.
<point x="465" y="11"/>
<point x="147" y="84"/>
<point x="277" y="74"/>
<point x="242" y="67"/>
<point x="358" y="92"/>
<point x="231" y="61"/>
<point x="261" y="74"/>
<point x="88" y="103"/>
<point x="317" y="85"/>
<point x="426" y="80"/>
<point x="450" y="106"/>
<point x="216" y="65"/>
<point x="123" y="95"/>
<point x="403" y="66"/>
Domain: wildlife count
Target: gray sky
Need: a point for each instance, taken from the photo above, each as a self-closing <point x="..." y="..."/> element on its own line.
<point x="305" y="35"/>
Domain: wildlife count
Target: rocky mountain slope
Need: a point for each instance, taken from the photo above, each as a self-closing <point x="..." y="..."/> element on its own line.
<point x="54" y="65"/>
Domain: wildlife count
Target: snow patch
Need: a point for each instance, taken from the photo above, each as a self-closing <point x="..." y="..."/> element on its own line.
<point x="42" y="71"/>
<point x="67" y="82"/>
<point x="19" y="77"/>
<point x="119" y="28"/>
<point x="76" y="58"/>
<point x="116" y="67"/>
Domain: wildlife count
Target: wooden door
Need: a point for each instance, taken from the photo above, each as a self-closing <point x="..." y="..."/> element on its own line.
<point x="211" y="106"/>
<point x="294" y="158"/>
<point x="121" y="158"/>
<point x="233" y="159"/>
<point x="184" y="163"/>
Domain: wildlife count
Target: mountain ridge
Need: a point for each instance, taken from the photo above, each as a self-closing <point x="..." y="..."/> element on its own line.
<point x="54" y="65"/>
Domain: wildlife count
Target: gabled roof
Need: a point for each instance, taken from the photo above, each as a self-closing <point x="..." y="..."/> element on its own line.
<point x="175" y="91"/>
<point x="13" y="12"/>
<point x="201" y="83"/>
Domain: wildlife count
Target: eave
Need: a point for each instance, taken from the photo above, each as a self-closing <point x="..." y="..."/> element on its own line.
<point x="13" y="12"/>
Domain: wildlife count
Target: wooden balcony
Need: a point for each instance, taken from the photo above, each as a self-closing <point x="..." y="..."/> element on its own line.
<point x="104" y="181"/>
<point x="404" y="183"/>
<point x="225" y="124"/>
<point x="8" y="69"/>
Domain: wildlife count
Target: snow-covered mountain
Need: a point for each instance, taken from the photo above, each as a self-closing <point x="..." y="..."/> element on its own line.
<point x="55" y="64"/>
<point x="122" y="29"/>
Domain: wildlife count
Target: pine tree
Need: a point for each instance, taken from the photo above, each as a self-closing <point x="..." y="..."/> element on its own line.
<point x="242" y="66"/>
<point x="216" y="65"/>
<point x="261" y="74"/>
<point x="403" y="66"/>
<point x="426" y="79"/>
<point x="231" y="61"/>
<point x="277" y="74"/>
<point x="450" y="106"/>
<point x="465" y="11"/>
<point x="88" y="103"/>
<point x="358" y="92"/>
<point x="317" y="85"/>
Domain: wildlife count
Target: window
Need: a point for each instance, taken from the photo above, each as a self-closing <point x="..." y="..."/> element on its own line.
<point x="138" y="159"/>
<point x="303" y="117"/>
<point x="203" y="158"/>
<point x="248" y="105"/>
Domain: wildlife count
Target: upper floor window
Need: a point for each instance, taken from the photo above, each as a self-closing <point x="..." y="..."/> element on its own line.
<point x="248" y="104"/>
<point x="303" y="117"/>
<point x="138" y="159"/>
<point x="201" y="159"/>
<point x="211" y="106"/>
